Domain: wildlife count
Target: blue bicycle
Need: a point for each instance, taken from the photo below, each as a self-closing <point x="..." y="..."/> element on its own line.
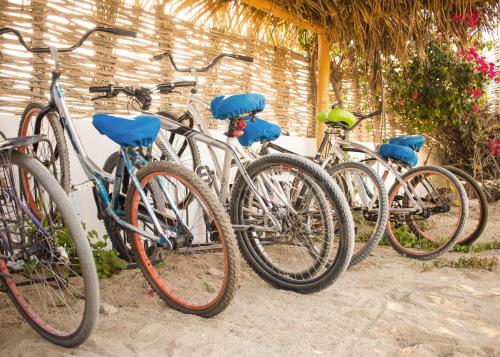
<point x="186" y="249"/>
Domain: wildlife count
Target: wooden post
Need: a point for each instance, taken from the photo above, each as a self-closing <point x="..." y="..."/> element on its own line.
<point x="323" y="92"/>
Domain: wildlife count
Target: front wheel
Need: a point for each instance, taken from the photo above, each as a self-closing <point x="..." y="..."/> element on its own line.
<point x="49" y="272"/>
<point x="200" y="274"/>
<point x="427" y="218"/>
<point x="478" y="207"/>
<point x="314" y="244"/>
<point x="367" y="196"/>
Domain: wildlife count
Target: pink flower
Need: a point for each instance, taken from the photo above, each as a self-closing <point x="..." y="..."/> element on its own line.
<point x="493" y="147"/>
<point x="414" y="95"/>
<point x="472" y="18"/>
<point x="457" y="18"/>
<point x="475" y="108"/>
<point x="476" y="93"/>
<point x="472" y="52"/>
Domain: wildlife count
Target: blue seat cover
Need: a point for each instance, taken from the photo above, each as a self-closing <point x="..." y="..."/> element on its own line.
<point x="232" y="106"/>
<point x="259" y="130"/>
<point x="138" y="130"/>
<point x="398" y="152"/>
<point x="414" y="142"/>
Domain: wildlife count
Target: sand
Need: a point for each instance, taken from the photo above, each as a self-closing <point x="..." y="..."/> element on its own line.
<point x="387" y="306"/>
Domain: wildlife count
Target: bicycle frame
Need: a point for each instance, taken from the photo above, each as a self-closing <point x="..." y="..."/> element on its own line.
<point x="98" y="176"/>
<point x="231" y="151"/>
<point x="337" y="152"/>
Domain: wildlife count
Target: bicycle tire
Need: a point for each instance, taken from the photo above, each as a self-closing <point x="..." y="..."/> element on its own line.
<point x="258" y="262"/>
<point x="225" y="235"/>
<point x="459" y="227"/>
<point x="116" y="234"/>
<point x="193" y="147"/>
<point x="28" y="118"/>
<point x="383" y="215"/>
<point x="83" y="251"/>
<point x="483" y="206"/>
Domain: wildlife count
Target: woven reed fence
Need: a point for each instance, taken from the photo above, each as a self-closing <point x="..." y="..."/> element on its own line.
<point x="283" y="76"/>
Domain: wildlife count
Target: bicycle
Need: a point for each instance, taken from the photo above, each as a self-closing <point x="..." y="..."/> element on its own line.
<point x="365" y="193"/>
<point x="422" y="199"/>
<point x="277" y="204"/>
<point x="478" y="203"/>
<point x="187" y="253"/>
<point x="46" y="265"/>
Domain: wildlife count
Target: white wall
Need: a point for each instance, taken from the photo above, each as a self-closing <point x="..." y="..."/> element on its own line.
<point x="100" y="147"/>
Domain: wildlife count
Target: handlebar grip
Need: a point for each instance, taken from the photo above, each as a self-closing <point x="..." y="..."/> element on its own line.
<point x="185" y="84"/>
<point x="159" y="56"/>
<point x="100" y="89"/>
<point x="244" y="58"/>
<point x="124" y="33"/>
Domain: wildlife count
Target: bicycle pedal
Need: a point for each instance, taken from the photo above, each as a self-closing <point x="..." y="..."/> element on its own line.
<point x="204" y="172"/>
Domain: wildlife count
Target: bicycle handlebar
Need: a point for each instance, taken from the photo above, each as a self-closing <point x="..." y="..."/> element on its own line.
<point x="203" y="69"/>
<point x="130" y="91"/>
<point x="115" y="31"/>
<point x="112" y="90"/>
<point x="366" y="116"/>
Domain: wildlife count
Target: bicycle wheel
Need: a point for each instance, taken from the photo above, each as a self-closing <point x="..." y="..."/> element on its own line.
<point x="478" y="207"/>
<point x="50" y="126"/>
<point x="427" y="230"/>
<point x="200" y="275"/>
<point x="186" y="149"/>
<point x="116" y="234"/>
<point x="49" y="273"/>
<point x="314" y="245"/>
<point x="367" y="197"/>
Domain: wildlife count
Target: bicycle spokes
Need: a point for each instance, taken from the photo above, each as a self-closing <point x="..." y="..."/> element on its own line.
<point x="41" y="268"/>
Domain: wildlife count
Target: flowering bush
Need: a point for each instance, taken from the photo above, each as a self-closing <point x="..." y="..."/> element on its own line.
<point x="443" y="97"/>
<point x="446" y="88"/>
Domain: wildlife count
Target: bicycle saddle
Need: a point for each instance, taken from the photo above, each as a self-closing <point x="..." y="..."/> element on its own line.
<point x="137" y="130"/>
<point x="414" y="142"/>
<point x="258" y="131"/>
<point x="232" y="106"/>
<point x="398" y="152"/>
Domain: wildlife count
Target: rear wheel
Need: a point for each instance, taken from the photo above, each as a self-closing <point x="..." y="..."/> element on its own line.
<point x="58" y="162"/>
<point x="314" y="245"/>
<point x="186" y="149"/>
<point x="427" y="230"/>
<point x="200" y="274"/>
<point x="478" y="207"/>
<point x="116" y="234"/>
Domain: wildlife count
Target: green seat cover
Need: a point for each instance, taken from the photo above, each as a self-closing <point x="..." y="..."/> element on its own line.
<point x="337" y="115"/>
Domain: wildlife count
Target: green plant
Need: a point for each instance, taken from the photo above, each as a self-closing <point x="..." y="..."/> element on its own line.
<point x="436" y="92"/>
<point x="462" y="262"/>
<point x="107" y="261"/>
<point x="475" y="248"/>
<point x="408" y="239"/>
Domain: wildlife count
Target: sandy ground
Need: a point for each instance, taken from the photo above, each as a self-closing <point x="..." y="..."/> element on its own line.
<point x="386" y="306"/>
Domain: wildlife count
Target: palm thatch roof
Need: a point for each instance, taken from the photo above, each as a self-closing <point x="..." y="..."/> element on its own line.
<point x="368" y="27"/>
